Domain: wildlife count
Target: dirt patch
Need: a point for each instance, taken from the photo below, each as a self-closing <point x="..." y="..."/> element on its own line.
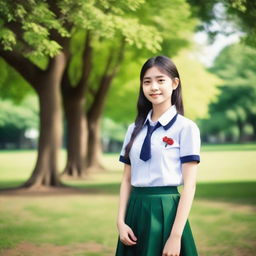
<point x="48" y="191"/>
<point x="29" y="249"/>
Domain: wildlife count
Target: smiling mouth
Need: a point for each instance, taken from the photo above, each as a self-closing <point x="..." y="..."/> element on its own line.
<point x="155" y="94"/>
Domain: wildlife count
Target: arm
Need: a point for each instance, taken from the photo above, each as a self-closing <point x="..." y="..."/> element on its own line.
<point x="189" y="171"/>
<point x="125" y="231"/>
<point x="125" y="190"/>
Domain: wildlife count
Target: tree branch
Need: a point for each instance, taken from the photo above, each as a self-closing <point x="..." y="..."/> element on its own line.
<point x="119" y="58"/>
<point x="87" y="64"/>
<point x="27" y="69"/>
<point x="92" y="91"/>
<point x="65" y="82"/>
<point x="105" y="82"/>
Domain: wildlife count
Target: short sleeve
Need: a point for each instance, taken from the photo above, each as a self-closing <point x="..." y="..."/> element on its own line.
<point x="190" y="143"/>
<point x="126" y="141"/>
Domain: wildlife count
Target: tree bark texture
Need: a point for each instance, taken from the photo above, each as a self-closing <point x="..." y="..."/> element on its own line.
<point x="94" y="113"/>
<point x="46" y="169"/>
<point x="76" y="136"/>
<point x="74" y="107"/>
<point x="47" y="86"/>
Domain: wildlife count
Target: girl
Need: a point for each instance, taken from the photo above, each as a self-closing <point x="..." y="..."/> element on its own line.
<point x="160" y="152"/>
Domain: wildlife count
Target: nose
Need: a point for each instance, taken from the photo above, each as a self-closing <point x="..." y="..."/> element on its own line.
<point x="154" y="86"/>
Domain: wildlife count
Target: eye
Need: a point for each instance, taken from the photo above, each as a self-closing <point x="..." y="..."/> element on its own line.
<point x="161" y="80"/>
<point x="146" y="82"/>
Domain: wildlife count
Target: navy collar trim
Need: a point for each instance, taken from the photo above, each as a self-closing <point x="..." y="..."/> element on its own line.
<point x="166" y="119"/>
<point x="166" y="127"/>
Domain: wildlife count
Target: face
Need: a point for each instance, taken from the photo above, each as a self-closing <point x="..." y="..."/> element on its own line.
<point x="158" y="87"/>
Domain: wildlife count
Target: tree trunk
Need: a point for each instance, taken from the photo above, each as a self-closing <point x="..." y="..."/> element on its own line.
<point x="93" y="118"/>
<point x="45" y="172"/>
<point x="76" y="134"/>
<point x="252" y="121"/>
<point x="94" y="113"/>
<point x="240" y="125"/>
<point x="254" y="130"/>
<point x="74" y="106"/>
<point x="94" y="154"/>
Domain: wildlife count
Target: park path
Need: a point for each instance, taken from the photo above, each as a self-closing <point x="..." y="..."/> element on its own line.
<point x="81" y="249"/>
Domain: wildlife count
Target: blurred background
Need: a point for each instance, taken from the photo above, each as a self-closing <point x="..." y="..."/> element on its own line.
<point x="69" y="82"/>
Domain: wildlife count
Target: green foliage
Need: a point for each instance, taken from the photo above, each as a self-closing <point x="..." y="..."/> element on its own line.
<point x="32" y="25"/>
<point x="138" y="34"/>
<point x="7" y="37"/>
<point x="112" y="130"/>
<point x="240" y="69"/>
<point x="20" y="116"/>
<point x="36" y="28"/>
<point x="121" y="102"/>
<point x="172" y="20"/>
<point x="77" y="42"/>
<point x="199" y="86"/>
<point x="12" y="85"/>
<point x="28" y="26"/>
<point x="236" y="105"/>
<point x="232" y="15"/>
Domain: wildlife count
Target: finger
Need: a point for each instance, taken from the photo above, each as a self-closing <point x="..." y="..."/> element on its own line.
<point x="128" y="241"/>
<point x="133" y="237"/>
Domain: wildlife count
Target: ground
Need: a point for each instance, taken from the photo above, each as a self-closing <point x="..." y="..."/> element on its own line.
<point x="82" y="221"/>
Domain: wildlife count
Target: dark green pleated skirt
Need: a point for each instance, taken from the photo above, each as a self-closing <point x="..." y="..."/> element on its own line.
<point x="150" y="214"/>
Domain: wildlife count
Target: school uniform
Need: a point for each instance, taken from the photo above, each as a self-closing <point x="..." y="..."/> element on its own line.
<point x="156" y="158"/>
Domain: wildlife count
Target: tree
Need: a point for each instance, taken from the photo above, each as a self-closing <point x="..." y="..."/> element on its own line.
<point x="172" y="19"/>
<point x="199" y="88"/>
<point x="12" y="86"/>
<point x="227" y="16"/>
<point x="109" y="55"/>
<point x="35" y="29"/>
<point x="15" y="120"/>
<point x="91" y="86"/>
<point x="236" y="102"/>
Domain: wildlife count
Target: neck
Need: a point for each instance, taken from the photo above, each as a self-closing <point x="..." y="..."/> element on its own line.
<point x="158" y="110"/>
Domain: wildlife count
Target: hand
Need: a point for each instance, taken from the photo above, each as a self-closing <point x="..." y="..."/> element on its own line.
<point x="172" y="246"/>
<point x="126" y="234"/>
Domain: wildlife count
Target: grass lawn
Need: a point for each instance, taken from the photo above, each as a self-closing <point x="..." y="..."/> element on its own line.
<point x="222" y="217"/>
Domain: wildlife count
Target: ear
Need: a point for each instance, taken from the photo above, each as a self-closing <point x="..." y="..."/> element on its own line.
<point x="175" y="83"/>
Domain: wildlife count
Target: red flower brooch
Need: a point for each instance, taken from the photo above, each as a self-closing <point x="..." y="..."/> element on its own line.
<point x="168" y="141"/>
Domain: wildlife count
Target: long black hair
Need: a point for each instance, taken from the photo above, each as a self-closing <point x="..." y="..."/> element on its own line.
<point x="166" y="66"/>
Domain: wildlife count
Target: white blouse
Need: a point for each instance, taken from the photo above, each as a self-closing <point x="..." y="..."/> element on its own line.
<point x="164" y="166"/>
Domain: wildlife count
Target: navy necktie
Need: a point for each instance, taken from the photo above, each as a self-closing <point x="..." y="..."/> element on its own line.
<point x="145" y="152"/>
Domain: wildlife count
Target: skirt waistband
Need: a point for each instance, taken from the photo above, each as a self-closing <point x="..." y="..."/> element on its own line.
<point x="155" y="190"/>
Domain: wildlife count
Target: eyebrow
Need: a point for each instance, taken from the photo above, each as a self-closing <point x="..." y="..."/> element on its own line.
<point x="147" y="77"/>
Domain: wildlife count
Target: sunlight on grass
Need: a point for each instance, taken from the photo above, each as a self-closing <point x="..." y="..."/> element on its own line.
<point x="222" y="216"/>
<point x="238" y="164"/>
